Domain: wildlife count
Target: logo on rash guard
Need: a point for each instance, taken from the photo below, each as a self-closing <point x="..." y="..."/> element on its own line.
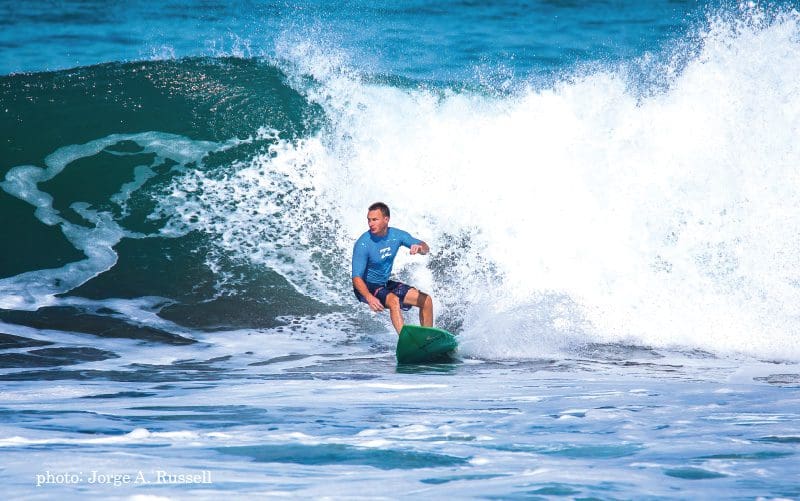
<point x="385" y="252"/>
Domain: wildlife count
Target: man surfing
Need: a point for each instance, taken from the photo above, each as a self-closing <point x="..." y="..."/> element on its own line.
<point x="373" y="258"/>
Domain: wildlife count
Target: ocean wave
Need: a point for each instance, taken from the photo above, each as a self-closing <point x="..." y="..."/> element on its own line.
<point x="581" y="212"/>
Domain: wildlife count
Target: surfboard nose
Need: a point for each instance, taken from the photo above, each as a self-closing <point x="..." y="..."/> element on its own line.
<point x="417" y="344"/>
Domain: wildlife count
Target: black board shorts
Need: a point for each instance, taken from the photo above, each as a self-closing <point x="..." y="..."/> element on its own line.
<point x="380" y="291"/>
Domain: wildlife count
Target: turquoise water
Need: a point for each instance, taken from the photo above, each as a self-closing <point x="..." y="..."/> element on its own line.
<point x="448" y="40"/>
<point x="608" y="189"/>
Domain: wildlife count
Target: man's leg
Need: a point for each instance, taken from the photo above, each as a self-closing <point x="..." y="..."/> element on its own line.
<point x="393" y="303"/>
<point x="425" y="305"/>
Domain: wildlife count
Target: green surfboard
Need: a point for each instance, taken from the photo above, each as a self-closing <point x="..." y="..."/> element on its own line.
<point x="421" y="345"/>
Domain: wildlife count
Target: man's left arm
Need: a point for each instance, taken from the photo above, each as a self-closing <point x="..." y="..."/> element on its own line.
<point x="415" y="245"/>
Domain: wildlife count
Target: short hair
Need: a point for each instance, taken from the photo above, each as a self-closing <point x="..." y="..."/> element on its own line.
<point x="381" y="207"/>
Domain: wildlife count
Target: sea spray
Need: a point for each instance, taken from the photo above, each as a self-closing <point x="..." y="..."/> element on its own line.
<point x="666" y="220"/>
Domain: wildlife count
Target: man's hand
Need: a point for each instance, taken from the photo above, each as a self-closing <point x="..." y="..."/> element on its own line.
<point x="374" y="303"/>
<point x="419" y="249"/>
<point x="361" y="287"/>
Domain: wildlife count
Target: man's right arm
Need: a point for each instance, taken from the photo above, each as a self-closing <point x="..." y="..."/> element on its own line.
<point x="360" y="259"/>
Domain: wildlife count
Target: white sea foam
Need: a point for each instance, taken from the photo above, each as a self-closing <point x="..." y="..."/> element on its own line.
<point x="585" y="211"/>
<point x="138" y="435"/>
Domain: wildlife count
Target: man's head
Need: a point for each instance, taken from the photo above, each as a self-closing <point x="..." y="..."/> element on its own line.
<point x="378" y="218"/>
<point x="381" y="207"/>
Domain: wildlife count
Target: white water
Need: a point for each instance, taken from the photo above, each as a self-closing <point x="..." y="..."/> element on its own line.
<point x="670" y="221"/>
<point x="592" y="214"/>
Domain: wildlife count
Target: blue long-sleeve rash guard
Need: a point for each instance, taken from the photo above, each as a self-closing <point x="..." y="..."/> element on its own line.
<point x="373" y="256"/>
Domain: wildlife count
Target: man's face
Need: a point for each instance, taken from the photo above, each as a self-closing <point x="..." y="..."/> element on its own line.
<point x="378" y="223"/>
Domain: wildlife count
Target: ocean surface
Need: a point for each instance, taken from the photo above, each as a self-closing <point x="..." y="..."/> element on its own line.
<point x="610" y="190"/>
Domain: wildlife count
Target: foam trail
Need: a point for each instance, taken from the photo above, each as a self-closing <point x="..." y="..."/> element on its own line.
<point x="35" y="289"/>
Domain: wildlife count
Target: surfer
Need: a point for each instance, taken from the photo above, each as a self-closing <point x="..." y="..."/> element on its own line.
<point x="373" y="257"/>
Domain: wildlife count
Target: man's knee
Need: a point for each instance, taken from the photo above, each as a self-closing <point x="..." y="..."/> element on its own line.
<point x="392" y="301"/>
